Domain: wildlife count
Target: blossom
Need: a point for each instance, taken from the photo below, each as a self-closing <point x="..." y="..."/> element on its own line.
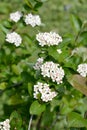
<point x="46" y="93"/>
<point x="5" y="125"/>
<point x="33" y="20"/>
<point x="48" y="39"/>
<point x="82" y="69"/>
<point x="38" y="64"/>
<point x="16" y="16"/>
<point x="59" y="51"/>
<point x="53" y="71"/>
<point x="14" y="38"/>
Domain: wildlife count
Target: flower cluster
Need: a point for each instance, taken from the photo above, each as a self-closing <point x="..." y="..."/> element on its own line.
<point x="82" y="69"/>
<point x="46" y="93"/>
<point x="38" y="64"/>
<point x="48" y="39"/>
<point x="5" y="125"/>
<point x="53" y="71"/>
<point x="33" y="20"/>
<point x="16" y="16"/>
<point x="14" y="38"/>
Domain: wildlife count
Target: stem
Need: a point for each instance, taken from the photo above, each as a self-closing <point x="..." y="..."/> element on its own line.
<point x="30" y="122"/>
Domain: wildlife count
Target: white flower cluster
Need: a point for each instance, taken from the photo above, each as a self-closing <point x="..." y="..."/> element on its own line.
<point x="14" y="38"/>
<point x="48" y="39"/>
<point x="33" y="20"/>
<point x="38" y="64"/>
<point x="82" y="69"/>
<point x="46" y="93"/>
<point x="5" y="125"/>
<point x="53" y="71"/>
<point x="16" y="16"/>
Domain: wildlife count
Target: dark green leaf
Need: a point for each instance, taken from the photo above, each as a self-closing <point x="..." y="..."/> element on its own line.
<point x="76" y="22"/>
<point x="15" y="120"/>
<point x="76" y="120"/>
<point x="37" y="108"/>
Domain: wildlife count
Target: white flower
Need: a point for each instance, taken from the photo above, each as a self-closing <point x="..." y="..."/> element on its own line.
<point x="38" y="64"/>
<point x="59" y="51"/>
<point x="46" y="93"/>
<point x="33" y="20"/>
<point x="82" y="69"/>
<point x="48" y="39"/>
<point x="5" y="125"/>
<point x="14" y="38"/>
<point x="16" y="16"/>
<point x="53" y="71"/>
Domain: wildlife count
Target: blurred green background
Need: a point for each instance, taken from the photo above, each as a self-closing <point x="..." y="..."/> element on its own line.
<point x="55" y="14"/>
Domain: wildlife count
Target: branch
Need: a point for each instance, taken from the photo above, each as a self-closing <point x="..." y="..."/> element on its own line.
<point x="30" y="122"/>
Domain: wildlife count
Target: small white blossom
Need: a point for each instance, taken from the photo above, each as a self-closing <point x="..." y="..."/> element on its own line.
<point x="53" y="71"/>
<point x="38" y="64"/>
<point x="46" y="93"/>
<point x="59" y="51"/>
<point x="5" y="125"/>
<point x="14" y="38"/>
<point x="16" y="16"/>
<point x="82" y="69"/>
<point x="48" y="39"/>
<point x="33" y="20"/>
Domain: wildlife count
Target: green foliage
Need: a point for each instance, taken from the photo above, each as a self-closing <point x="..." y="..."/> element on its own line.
<point x="76" y="22"/>
<point x="76" y="120"/>
<point x="16" y="120"/>
<point x="37" y="108"/>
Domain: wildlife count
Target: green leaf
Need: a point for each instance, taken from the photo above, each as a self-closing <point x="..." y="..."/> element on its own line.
<point x="37" y="5"/>
<point x="29" y="4"/>
<point x="79" y="83"/>
<point x="7" y="24"/>
<point x="47" y="117"/>
<point x="15" y="120"/>
<point x="3" y="85"/>
<point x="16" y="69"/>
<point x="54" y="103"/>
<point x="30" y="89"/>
<point x="59" y="57"/>
<point x="76" y="22"/>
<point x="15" y="100"/>
<point x="83" y="38"/>
<point x="82" y="106"/>
<point x="37" y="108"/>
<point x="76" y="120"/>
<point x="2" y="37"/>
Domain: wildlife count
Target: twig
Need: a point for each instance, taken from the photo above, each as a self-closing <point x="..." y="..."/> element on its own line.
<point x="30" y="122"/>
